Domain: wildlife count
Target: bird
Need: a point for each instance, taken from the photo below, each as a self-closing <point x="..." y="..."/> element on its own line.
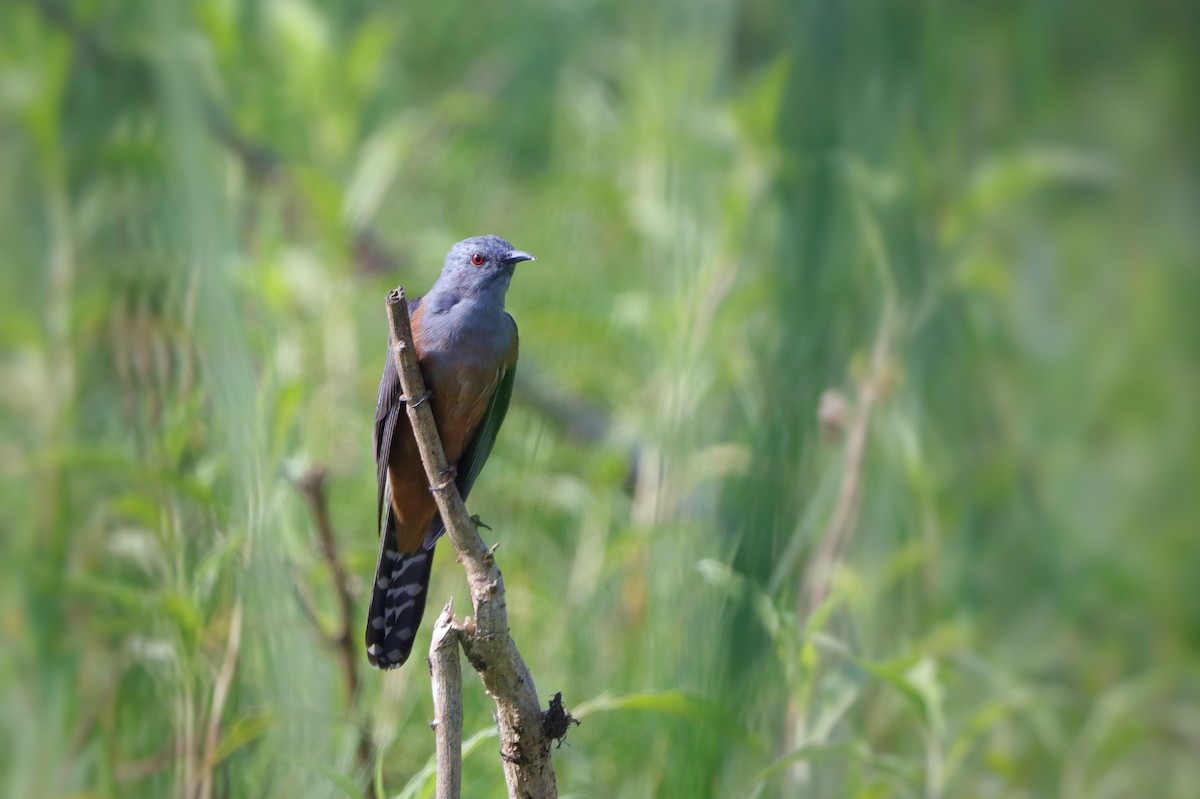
<point x="466" y="345"/>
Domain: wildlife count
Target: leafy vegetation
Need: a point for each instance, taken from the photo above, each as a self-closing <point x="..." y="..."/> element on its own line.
<point x="854" y="451"/>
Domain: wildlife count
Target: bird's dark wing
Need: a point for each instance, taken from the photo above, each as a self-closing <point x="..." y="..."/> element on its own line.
<point x="471" y="463"/>
<point x="389" y="410"/>
<point x="480" y="446"/>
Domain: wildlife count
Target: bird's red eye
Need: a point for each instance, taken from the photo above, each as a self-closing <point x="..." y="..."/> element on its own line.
<point x="477" y="259"/>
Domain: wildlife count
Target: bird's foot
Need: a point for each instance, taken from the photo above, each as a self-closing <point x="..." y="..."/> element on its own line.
<point x="480" y="522"/>
<point x="447" y="475"/>
<point x="419" y="401"/>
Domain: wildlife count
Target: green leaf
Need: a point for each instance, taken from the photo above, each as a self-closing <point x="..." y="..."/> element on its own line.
<point x="421" y="781"/>
<point x="346" y="785"/>
<point x="809" y="752"/>
<point x="246" y="729"/>
<point x="675" y="703"/>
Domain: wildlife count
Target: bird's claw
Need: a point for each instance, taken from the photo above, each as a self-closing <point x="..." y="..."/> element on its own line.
<point x="448" y="474"/>
<point x="480" y="522"/>
<point x="419" y="401"/>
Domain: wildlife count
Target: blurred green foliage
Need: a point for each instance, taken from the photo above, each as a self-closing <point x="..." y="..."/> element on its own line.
<point x="972" y="227"/>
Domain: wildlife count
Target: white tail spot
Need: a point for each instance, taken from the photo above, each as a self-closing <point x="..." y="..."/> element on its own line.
<point x="412" y="589"/>
<point x="398" y="573"/>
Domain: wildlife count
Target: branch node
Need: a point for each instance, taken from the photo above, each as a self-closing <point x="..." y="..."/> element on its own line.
<point x="511" y="758"/>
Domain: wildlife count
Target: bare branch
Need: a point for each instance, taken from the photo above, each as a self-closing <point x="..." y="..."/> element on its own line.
<point x="220" y="695"/>
<point x="445" y="673"/>
<point x="312" y="485"/>
<point x="524" y="745"/>
<point x="309" y="608"/>
<point x="845" y="512"/>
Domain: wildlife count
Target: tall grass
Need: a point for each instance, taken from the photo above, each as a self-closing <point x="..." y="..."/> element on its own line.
<point x="971" y="229"/>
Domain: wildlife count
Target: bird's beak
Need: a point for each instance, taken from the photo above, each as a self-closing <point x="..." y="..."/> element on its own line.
<point x="516" y="256"/>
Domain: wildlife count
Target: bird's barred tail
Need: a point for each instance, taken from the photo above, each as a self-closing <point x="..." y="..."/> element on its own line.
<point x="397" y="603"/>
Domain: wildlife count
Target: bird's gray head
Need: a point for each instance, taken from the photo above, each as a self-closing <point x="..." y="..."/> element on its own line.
<point x="480" y="265"/>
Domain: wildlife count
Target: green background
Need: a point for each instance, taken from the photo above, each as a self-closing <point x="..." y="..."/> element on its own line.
<point x="969" y="571"/>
